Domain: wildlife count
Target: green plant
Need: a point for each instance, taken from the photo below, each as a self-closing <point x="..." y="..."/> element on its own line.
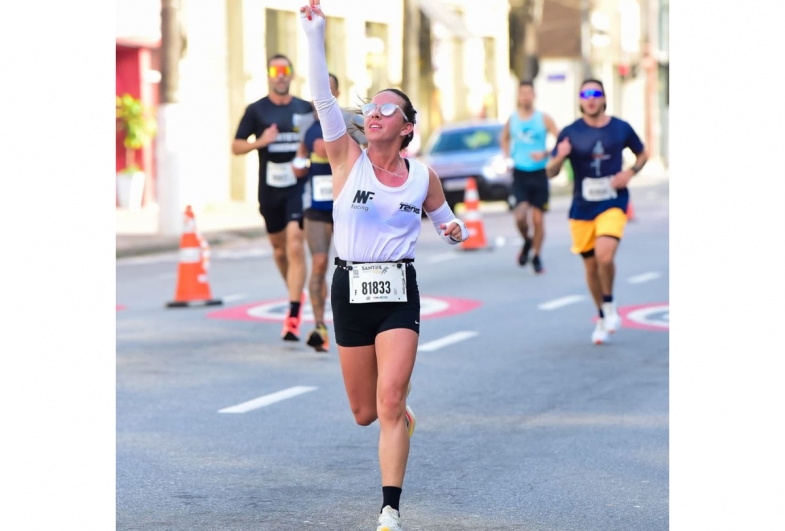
<point x="139" y="126"/>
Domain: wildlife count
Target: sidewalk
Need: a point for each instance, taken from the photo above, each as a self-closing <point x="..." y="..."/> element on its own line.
<point x="221" y="223"/>
<point x="235" y="222"/>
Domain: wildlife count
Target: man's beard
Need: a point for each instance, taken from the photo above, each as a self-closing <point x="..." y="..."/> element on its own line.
<point x="595" y="114"/>
<point x="281" y="91"/>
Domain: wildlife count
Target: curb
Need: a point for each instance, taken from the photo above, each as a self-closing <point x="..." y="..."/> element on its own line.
<point x="130" y="245"/>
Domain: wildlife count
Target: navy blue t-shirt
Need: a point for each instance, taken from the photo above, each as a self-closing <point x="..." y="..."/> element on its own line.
<point x="597" y="156"/>
<point x="319" y="173"/>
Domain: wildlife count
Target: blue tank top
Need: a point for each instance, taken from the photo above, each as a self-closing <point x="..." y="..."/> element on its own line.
<point x="319" y="188"/>
<point x="527" y="136"/>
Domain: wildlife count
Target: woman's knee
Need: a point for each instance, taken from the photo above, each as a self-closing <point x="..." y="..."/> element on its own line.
<point x="390" y="404"/>
<point x="364" y="416"/>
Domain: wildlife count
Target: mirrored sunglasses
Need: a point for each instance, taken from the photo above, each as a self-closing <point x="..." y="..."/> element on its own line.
<point x="387" y="109"/>
<point x="275" y="71"/>
<point x="591" y="93"/>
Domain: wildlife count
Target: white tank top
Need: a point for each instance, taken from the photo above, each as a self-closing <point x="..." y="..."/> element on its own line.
<point x="378" y="223"/>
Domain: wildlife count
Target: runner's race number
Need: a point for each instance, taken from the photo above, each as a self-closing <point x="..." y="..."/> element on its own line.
<point x="380" y="282"/>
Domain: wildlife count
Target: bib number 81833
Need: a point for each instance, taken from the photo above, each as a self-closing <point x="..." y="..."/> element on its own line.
<point x="384" y="282"/>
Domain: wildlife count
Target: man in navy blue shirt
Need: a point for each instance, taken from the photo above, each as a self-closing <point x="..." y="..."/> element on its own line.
<point x="594" y="144"/>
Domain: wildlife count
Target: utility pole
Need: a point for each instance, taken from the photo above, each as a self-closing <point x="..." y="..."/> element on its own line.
<point x="530" y="43"/>
<point x="170" y="131"/>
<point x="411" y="50"/>
<point x="585" y="39"/>
<point x="171" y="50"/>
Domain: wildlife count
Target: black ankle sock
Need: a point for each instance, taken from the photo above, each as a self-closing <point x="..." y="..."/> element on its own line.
<point x="294" y="309"/>
<point x="607" y="298"/>
<point x="602" y="315"/>
<point x="392" y="497"/>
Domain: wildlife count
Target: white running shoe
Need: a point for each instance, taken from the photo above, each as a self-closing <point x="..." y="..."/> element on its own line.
<point x="612" y="319"/>
<point x="389" y="520"/>
<point x="411" y="420"/>
<point x="600" y="335"/>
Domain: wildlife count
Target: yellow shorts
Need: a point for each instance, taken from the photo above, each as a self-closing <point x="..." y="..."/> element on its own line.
<point x="584" y="233"/>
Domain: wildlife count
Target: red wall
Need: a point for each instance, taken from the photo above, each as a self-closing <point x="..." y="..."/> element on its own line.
<point x="131" y="64"/>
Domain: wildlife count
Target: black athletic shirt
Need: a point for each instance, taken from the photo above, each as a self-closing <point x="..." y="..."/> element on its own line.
<point x="262" y="114"/>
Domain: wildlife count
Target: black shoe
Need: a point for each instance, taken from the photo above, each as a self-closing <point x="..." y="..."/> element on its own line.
<point x="537" y="264"/>
<point x="524" y="256"/>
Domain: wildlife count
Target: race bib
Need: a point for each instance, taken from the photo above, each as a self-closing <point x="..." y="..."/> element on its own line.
<point x="598" y="189"/>
<point x="384" y="282"/>
<point x="322" y="187"/>
<point x="280" y="175"/>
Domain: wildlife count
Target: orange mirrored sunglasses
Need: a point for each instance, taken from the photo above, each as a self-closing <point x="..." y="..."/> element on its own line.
<point x="275" y="71"/>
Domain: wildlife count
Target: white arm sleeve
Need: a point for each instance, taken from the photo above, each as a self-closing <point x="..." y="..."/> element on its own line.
<point x="444" y="214"/>
<point x="330" y="115"/>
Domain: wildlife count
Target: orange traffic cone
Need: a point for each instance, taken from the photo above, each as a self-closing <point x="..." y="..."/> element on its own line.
<point x="192" y="285"/>
<point x="472" y="219"/>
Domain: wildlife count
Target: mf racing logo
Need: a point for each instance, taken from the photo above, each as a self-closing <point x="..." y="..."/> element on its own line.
<point x="409" y="208"/>
<point x="361" y="198"/>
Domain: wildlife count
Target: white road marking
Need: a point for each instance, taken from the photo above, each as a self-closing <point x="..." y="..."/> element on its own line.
<point x="266" y="400"/>
<point x="447" y="340"/>
<point x="441" y="258"/>
<point x="645" y="277"/>
<point x="241" y="254"/>
<point x="558" y="303"/>
<point x="145" y="260"/>
<point x="234" y="297"/>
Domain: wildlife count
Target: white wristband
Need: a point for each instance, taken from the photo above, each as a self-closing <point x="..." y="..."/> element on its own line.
<point x="444" y="215"/>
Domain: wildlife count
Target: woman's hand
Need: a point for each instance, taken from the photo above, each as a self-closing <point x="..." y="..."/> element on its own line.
<point x="312" y="16"/>
<point x="453" y="231"/>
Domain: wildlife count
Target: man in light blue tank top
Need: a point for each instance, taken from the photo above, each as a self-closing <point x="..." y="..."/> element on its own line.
<point x="524" y="141"/>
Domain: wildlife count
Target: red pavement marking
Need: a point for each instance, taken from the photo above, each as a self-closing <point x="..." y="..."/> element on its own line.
<point x="120" y="307"/>
<point x="242" y="313"/>
<point x="626" y="322"/>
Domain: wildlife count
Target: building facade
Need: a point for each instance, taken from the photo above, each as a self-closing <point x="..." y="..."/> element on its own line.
<point x="223" y="69"/>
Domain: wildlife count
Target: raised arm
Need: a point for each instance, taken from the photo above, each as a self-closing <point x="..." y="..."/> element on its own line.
<point x="342" y="151"/>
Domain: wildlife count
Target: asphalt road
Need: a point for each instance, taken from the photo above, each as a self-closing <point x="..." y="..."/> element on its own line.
<point x="523" y="423"/>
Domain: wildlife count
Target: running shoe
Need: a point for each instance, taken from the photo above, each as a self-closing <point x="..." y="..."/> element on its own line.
<point x="523" y="257"/>
<point x="600" y="335"/>
<point x="319" y="339"/>
<point x="411" y="420"/>
<point x="291" y="329"/>
<point x="537" y="264"/>
<point x="612" y="321"/>
<point x="389" y="520"/>
<point x="291" y="325"/>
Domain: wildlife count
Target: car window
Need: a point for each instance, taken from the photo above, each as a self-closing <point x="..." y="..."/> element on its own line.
<point x="466" y="139"/>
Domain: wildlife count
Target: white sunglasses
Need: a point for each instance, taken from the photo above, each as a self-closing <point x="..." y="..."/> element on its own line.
<point x="387" y="109"/>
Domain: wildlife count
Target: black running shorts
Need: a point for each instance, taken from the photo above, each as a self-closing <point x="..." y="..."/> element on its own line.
<point x="280" y="206"/>
<point x="356" y="325"/>
<point x="531" y="187"/>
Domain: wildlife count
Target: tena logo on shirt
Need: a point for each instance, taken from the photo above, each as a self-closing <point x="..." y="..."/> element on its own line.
<point x="406" y="207"/>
